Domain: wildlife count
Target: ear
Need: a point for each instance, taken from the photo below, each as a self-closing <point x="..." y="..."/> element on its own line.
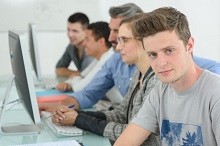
<point x="102" y="41"/>
<point x="190" y="45"/>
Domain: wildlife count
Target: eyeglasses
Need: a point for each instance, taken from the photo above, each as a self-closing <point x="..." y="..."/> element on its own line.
<point x="123" y="40"/>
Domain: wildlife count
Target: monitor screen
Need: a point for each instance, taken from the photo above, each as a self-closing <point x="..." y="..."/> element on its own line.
<point x="32" y="32"/>
<point x="20" y="63"/>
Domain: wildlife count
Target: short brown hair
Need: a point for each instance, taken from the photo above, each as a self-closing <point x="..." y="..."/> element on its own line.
<point x="162" y="19"/>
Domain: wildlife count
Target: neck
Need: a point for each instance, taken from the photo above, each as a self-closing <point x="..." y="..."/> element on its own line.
<point x="80" y="46"/>
<point x="187" y="80"/>
<point x="143" y="65"/>
<point x="101" y="52"/>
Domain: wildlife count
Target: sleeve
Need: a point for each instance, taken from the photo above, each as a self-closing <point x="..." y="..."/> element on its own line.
<point x="98" y="114"/>
<point x="89" y="68"/>
<point x="76" y="81"/>
<point x="95" y="122"/>
<point x="146" y="116"/>
<point x="65" y="59"/>
<point x="90" y="123"/>
<point x="117" y="119"/>
<point x="215" y="115"/>
<point x="79" y="82"/>
<point x="97" y="87"/>
<point x="119" y="114"/>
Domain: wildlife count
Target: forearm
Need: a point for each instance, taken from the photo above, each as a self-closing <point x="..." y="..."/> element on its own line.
<point x="66" y="72"/>
<point x="89" y="96"/>
<point x="90" y="123"/>
<point x="69" y="101"/>
<point x="119" y="114"/>
<point x="77" y="83"/>
<point x="113" y="130"/>
<point x="98" y="114"/>
<point x="133" y="135"/>
<point x="94" y="90"/>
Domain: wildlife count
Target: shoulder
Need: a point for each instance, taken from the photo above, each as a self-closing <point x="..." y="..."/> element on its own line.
<point x="70" y="47"/>
<point x="89" y="59"/>
<point x="136" y="74"/>
<point x="209" y="81"/>
<point x="116" y="56"/>
<point x="160" y="88"/>
<point x="208" y="64"/>
<point x="209" y="84"/>
<point x="114" y="60"/>
<point x="107" y="55"/>
<point x="210" y="77"/>
<point x="200" y="60"/>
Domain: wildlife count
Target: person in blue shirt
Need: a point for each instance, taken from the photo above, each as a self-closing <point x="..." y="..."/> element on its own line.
<point x="114" y="72"/>
<point x="210" y="65"/>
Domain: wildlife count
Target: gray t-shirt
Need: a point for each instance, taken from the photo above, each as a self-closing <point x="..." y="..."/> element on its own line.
<point x="190" y="117"/>
<point x="71" y="54"/>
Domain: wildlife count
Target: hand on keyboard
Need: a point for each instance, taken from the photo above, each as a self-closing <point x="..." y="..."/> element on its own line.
<point x="60" y="130"/>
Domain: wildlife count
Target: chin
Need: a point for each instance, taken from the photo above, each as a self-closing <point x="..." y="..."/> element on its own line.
<point x="73" y="43"/>
<point x="164" y="80"/>
<point x="126" y="61"/>
<point x="88" y="54"/>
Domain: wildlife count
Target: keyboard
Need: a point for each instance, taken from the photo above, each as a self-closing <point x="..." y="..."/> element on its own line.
<point x="60" y="130"/>
<point x="46" y="83"/>
<point x="57" y="143"/>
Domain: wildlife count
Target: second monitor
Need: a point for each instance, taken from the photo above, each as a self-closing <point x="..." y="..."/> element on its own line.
<point x="34" y="50"/>
<point x="47" y="83"/>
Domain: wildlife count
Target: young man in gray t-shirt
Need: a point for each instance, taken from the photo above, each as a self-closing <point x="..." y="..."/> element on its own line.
<point x="184" y="107"/>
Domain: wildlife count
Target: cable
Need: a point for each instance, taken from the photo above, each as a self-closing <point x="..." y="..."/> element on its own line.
<point x="17" y="101"/>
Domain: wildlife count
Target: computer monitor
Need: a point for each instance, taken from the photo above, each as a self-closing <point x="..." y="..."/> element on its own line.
<point x="47" y="83"/>
<point x="32" y="32"/>
<point x="23" y="80"/>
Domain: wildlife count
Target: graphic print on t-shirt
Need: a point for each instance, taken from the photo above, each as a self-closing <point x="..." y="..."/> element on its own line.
<point x="173" y="134"/>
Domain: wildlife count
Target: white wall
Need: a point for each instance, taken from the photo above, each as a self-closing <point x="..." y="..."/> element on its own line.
<point x="203" y="16"/>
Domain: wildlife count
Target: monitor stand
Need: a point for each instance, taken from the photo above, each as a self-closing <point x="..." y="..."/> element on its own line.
<point x="14" y="129"/>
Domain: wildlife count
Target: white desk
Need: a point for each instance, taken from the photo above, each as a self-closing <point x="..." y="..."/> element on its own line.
<point x="46" y="135"/>
<point x="18" y="115"/>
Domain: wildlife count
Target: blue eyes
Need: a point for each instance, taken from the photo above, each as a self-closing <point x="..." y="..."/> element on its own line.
<point x="166" y="52"/>
<point x="169" y="51"/>
<point x="153" y="55"/>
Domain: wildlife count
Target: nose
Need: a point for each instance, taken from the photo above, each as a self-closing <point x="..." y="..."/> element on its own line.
<point x="112" y="37"/>
<point x="71" y="34"/>
<point x="161" y="60"/>
<point x="119" y="47"/>
<point x="84" y="43"/>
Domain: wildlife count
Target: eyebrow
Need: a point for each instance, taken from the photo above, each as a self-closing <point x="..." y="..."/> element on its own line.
<point x="150" y="52"/>
<point x="124" y="37"/>
<point x="114" y="29"/>
<point x="168" y="47"/>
